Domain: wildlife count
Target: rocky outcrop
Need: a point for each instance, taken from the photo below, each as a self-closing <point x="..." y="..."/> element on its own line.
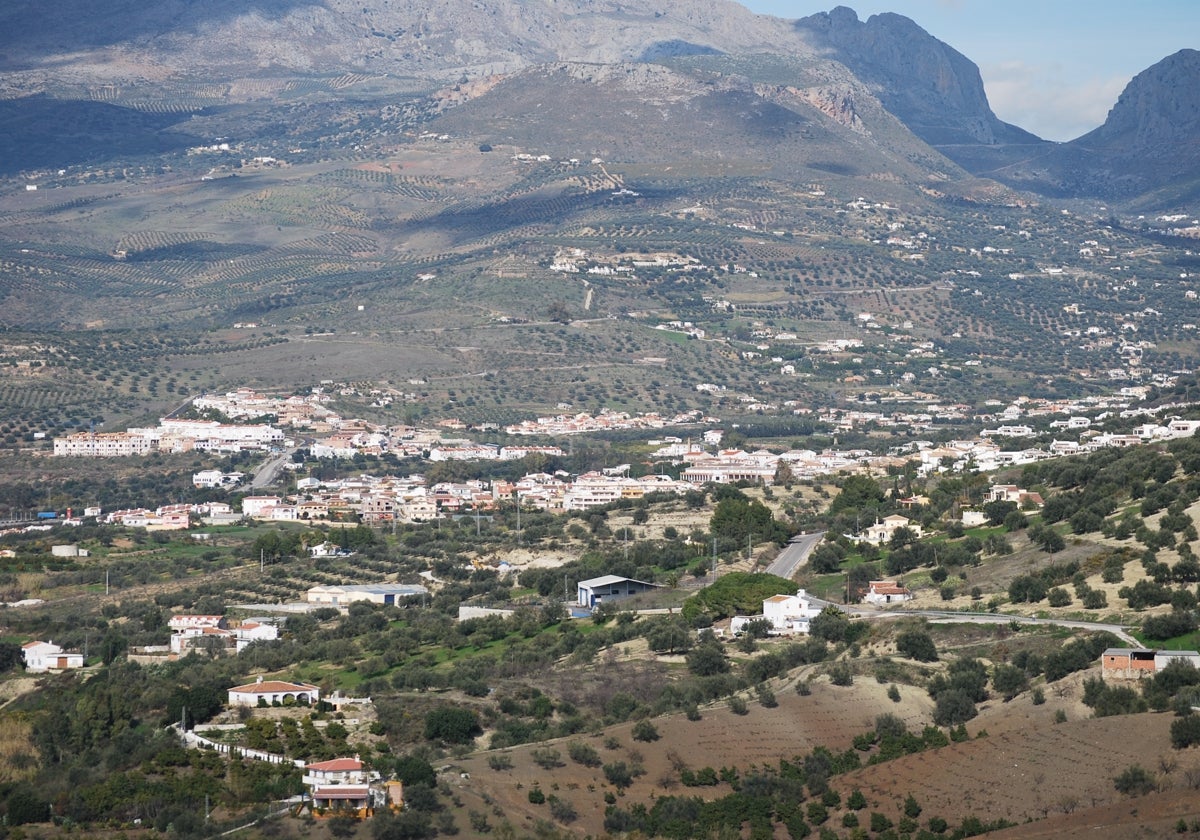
<point x="1158" y="110"/>
<point x="931" y="87"/>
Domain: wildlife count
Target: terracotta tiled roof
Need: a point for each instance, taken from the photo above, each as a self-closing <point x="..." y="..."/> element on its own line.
<point x="336" y="765"/>
<point x="271" y="687"/>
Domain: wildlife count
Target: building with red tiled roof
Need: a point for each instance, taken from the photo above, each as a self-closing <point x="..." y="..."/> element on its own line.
<point x="881" y="592"/>
<point x="271" y="692"/>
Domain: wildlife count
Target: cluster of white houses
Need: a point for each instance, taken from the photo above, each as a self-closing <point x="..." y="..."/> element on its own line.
<point x="169" y="436"/>
<point x="212" y="634"/>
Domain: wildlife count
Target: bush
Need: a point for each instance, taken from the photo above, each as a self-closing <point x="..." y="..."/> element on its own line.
<point x="500" y="761"/>
<point x="644" y="730"/>
<point x="1009" y="680"/>
<point x="1134" y="780"/>
<point x="547" y="758"/>
<point x="917" y="645"/>
<point x="452" y="725"/>
<point x="1059" y="597"/>
<point x="1185" y="731"/>
<point x="536" y="796"/>
<point x="562" y="810"/>
<point x="954" y="706"/>
<point x="619" y="774"/>
<point x="856" y="801"/>
<point x="584" y="754"/>
<point x="840" y="674"/>
<point x="738" y="706"/>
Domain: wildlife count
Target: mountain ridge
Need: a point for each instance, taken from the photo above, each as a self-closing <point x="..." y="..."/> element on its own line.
<point x="834" y="62"/>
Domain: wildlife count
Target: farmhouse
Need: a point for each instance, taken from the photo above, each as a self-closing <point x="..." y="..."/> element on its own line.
<point x="881" y="592"/>
<point x="46" y="656"/>
<point x="270" y="692"/>
<point x="610" y="588"/>
<point x="374" y="593"/>
<point x="788" y="614"/>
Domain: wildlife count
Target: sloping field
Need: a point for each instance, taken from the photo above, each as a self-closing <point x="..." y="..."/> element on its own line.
<point x="830" y="716"/>
<point x="1024" y="774"/>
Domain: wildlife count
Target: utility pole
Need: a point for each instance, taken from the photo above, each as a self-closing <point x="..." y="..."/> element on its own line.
<point x="518" y="497"/>
<point x="262" y="560"/>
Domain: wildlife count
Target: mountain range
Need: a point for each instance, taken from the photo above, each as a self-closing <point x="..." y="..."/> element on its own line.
<point x="893" y="86"/>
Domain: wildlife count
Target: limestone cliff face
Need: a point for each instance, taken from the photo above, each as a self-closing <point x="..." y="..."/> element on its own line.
<point x="1158" y="110"/>
<point x="932" y="87"/>
<point x="427" y="38"/>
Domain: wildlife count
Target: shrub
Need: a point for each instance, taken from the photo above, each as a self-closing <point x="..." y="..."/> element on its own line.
<point x="452" y="725"/>
<point x="1185" y="731"/>
<point x="840" y="674"/>
<point x="547" y="758"/>
<point x="766" y="696"/>
<point x="536" y="796"/>
<point x="500" y="761"/>
<point x="879" y="822"/>
<point x="1009" y="680"/>
<point x="644" y="730"/>
<point x="1134" y="780"/>
<point x="562" y="810"/>
<point x="856" y="801"/>
<point x="619" y="774"/>
<point x="584" y="754"/>
<point x="1059" y="597"/>
<point x="738" y="706"/>
<point x="917" y="645"/>
<point x="893" y="693"/>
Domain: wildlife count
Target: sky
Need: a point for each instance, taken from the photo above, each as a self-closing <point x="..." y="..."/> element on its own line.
<point x="1053" y="67"/>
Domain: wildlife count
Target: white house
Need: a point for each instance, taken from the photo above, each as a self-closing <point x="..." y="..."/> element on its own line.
<point x="374" y="593"/>
<point x="883" y="592"/>
<point x="881" y="532"/>
<point x="46" y="656"/>
<point x="338" y="771"/>
<point x="273" y="691"/>
<point x="255" y="505"/>
<point x="788" y="614"/>
<point x="973" y="518"/>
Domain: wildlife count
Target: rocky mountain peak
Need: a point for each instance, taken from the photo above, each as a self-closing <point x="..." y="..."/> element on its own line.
<point x="1160" y="107"/>
<point x="934" y="88"/>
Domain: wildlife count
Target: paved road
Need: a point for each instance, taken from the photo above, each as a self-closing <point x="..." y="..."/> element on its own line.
<point x="266" y="472"/>
<point x="795" y="554"/>
<point x="950" y="616"/>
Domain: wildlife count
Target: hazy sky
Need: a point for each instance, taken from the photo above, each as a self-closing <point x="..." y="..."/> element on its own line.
<point x="1053" y="67"/>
